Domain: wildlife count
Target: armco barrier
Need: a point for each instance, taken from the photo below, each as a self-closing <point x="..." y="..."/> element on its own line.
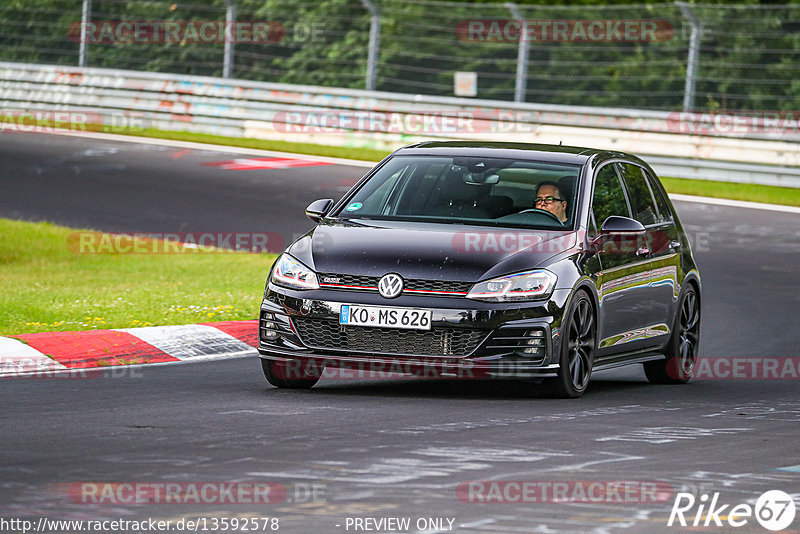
<point x="270" y="111"/>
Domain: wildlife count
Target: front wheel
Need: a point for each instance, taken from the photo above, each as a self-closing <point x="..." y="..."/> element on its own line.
<point x="292" y="374"/>
<point x="578" y="346"/>
<point x="682" y="347"/>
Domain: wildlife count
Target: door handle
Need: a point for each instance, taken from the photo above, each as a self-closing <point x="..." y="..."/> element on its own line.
<point x="644" y="251"/>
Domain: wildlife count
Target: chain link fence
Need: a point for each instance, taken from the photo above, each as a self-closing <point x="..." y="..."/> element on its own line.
<point x="667" y="56"/>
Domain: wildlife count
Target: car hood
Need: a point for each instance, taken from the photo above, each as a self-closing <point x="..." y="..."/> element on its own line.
<point x="425" y="250"/>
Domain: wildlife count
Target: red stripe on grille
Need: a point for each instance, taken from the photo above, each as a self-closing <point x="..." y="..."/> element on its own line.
<point x="348" y="287"/>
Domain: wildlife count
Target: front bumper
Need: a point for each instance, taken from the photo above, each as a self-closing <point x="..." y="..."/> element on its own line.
<point x="468" y="339"/>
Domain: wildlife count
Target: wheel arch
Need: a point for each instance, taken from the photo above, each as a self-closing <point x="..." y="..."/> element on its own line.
<point x="586" y="285"/>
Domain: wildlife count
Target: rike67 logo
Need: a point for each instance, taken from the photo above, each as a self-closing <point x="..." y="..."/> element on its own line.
<point x="774" y="510"/>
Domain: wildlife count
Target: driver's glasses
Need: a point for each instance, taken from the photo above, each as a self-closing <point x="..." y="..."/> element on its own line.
<point x="547" y="200"/>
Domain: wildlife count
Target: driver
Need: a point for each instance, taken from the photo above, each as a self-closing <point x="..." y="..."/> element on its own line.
<point x="548" y="197"/>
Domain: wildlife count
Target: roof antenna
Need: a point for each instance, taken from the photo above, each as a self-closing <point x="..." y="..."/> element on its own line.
<point x="560" y="141"/>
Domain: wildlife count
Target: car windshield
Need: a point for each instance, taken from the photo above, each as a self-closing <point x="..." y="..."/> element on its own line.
<point x="468" y="190"/>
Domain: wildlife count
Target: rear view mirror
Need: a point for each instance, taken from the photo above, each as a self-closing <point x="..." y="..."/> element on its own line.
<point x="319" y="209"/>
<point x="479" y="179"/>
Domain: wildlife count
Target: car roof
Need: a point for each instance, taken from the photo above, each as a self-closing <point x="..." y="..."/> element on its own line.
<point x="524" y="151"/>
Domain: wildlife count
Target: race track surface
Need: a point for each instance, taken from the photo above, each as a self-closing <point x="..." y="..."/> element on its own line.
<point x="388" y="448"/>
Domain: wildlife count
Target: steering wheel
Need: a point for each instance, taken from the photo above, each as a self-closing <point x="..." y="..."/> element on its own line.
<point x="537" y="210"/>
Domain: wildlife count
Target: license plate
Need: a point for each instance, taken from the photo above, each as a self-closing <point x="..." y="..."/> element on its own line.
<point x="408" y="318"/>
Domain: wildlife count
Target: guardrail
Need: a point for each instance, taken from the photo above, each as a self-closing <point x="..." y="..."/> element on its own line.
<point x="356" y="118"/>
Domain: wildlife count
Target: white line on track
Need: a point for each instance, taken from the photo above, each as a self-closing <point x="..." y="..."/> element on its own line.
<point x="369" y="164"/>
<point x="735" y="203"/>
<point x="214" y="148"/>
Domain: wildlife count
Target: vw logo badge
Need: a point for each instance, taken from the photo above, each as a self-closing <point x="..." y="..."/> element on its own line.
<point x="390" y="286"/>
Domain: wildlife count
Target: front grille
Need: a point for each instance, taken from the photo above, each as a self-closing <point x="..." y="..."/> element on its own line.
<point x="349" y="280"/>
<point x="439" y="285"/>
<point x="329" y="335"/>
<point x="334" y="281"/>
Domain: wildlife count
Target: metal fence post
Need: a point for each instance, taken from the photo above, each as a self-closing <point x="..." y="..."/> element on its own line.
<point x="230" y="31"/>
<point x="83" y="50"/>
<point x="694" y="52"/>
<point x="521" y="82"/>
<point x="374" y="43"/>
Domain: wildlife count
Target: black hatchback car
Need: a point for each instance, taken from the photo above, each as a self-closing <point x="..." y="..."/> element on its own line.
<point x="482" y="260"/>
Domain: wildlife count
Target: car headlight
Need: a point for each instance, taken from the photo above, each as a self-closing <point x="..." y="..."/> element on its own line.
<point x="289" y="272"/>
<point x="532" y="285"/>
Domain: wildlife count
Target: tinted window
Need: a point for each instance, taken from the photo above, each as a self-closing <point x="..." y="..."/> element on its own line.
<point x="664" y="212"/>
<point x="642" y="203"/>
<point x="609" y="198"/>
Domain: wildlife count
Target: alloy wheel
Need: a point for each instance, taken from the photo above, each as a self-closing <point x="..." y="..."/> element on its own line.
<point x="689" y="334"/>
<point x="580" y="343"/>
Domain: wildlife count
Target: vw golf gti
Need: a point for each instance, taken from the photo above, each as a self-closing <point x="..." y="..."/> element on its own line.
<point x="488" y="260"/>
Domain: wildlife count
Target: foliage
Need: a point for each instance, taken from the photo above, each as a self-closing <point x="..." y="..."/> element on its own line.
<point x="749" y="53"/>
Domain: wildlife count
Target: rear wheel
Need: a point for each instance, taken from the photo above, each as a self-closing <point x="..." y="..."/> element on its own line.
<point x="681" y="351"/>
<point x="291" y="375"/>
<point x="578" y="348"/>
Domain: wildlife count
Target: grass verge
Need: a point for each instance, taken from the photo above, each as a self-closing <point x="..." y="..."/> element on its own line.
<point x="65" y="290"/>
<point x="787" y="196"/>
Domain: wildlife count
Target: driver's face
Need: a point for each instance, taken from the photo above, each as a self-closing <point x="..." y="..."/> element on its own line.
<point x="557" y="207"/>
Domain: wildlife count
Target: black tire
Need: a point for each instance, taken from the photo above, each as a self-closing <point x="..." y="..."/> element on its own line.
<point x="578" y="347"/>
<point x="279" y="374"/>
<point x="681" y="351"/>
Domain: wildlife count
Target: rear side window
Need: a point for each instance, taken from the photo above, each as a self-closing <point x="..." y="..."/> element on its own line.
<point x="642" y="203"/>
<point x="609" y="197"/>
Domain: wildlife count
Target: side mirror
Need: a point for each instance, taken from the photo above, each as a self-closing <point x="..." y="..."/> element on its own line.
<point x="319" y="209"/>
<point x="619" y="233"/>
<point x="621" y="225"/>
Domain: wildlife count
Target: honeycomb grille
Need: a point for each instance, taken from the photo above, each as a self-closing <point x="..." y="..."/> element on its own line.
<point x="350" y="280"/>
<point x="413" y="284"/>
<point x="439" y="285"/>
<point x="325" y="334"/>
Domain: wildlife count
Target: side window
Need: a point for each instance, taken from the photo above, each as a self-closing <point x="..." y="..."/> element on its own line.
<point x="609" y="198"/>
<point x="376" y="201"/>
<point x="642" y="203"/>
<point x="417" y="195"/>
<point x="664" y="211"/>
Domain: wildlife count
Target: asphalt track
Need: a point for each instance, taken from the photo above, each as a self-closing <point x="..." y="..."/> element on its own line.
<point x="388" y="448"/>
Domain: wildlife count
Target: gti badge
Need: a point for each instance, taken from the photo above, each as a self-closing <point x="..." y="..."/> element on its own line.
<point x="390" y="286"/>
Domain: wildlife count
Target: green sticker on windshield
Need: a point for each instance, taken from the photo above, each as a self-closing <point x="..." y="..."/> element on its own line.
<point x="354" y="206"/>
